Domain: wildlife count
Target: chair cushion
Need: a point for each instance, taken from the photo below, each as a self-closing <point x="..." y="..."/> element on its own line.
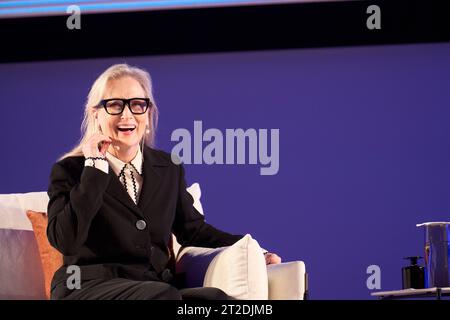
<point x="51" y="259"/>
<point x="239" y="270"/>
<point x="21" y="275"/>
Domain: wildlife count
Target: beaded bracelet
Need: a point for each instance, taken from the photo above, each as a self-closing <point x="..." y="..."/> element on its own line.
<point x="95" y="158"/>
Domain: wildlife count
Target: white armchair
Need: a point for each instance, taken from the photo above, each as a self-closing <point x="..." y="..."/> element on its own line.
<point x="21" y="273"/>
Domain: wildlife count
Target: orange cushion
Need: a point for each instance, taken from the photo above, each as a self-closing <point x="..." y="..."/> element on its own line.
<point x="51" y="258"/>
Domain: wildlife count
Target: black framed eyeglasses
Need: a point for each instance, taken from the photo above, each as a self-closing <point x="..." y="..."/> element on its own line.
<point x="115" y="106"/>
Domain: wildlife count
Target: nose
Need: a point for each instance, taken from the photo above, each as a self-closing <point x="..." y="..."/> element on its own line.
<point x="126" y="112"/>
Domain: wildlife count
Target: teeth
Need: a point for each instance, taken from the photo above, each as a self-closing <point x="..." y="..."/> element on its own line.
<point x="126" y="127"/>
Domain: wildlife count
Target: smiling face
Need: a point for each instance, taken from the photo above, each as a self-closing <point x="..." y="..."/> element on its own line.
<point x="113" y="125"/>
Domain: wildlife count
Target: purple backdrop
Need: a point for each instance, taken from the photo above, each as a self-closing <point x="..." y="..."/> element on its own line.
<point x="364" y="146"/>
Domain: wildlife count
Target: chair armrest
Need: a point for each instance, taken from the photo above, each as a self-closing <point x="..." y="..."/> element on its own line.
<point x="287" y="281"/>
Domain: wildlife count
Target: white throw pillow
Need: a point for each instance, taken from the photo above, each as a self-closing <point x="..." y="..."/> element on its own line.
<point x="239" y="270"/>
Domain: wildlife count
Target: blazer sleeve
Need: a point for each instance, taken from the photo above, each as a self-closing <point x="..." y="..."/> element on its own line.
<point x="73" y="203"/>
<point x="190" y="227"/>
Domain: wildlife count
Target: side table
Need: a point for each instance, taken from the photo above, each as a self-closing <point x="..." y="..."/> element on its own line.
<point x="436" y="292"/>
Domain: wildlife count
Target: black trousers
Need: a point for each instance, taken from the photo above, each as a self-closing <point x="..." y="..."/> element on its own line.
<point x="125" y="289"/>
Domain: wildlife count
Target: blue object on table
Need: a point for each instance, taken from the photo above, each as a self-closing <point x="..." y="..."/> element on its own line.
<point x="437" y="235"/>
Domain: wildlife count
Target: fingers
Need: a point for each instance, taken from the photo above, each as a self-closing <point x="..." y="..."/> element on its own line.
<point x="272" y="258"/>
<point x="276" y="259"/>
<point x="104" y="142"/>
<point x="104" y="148"/>
<point x="102" y="138"/>
<point x="96" y="145"/>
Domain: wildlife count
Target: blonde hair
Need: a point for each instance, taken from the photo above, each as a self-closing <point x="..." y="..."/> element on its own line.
<point x="96" y="94"/>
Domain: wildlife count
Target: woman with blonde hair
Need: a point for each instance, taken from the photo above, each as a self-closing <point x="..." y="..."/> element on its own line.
<point x="115" y="201"/>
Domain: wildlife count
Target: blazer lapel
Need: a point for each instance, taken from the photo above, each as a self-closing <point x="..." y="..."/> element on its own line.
<point x="117" y="190"/>
<point x="152" y="178"/>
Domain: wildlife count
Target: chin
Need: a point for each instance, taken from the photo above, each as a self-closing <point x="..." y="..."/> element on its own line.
<point x="128" y="144"/>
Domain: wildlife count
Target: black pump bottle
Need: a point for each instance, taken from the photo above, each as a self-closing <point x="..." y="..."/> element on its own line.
<point x="413" y="276"/>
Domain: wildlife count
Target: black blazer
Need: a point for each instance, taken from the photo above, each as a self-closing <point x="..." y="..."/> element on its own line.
<point x="92" y="220"/>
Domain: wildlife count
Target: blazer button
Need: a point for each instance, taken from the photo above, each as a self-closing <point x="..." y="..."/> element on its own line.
<point x="141" y="224"/>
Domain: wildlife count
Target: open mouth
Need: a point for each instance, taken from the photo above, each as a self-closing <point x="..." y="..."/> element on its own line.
<point x="126" y="129"/>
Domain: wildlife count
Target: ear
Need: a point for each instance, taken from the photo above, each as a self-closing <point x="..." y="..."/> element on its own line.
<point x="96" y="122"/>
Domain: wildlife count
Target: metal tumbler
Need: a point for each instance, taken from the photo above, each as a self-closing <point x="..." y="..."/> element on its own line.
<point x="437" y="235"/>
